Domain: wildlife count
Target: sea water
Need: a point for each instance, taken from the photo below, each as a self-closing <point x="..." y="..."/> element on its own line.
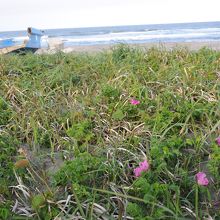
<point x="183" y="32"/>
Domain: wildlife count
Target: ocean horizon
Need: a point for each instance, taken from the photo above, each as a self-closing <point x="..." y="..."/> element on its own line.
<point x="130" y="34"/>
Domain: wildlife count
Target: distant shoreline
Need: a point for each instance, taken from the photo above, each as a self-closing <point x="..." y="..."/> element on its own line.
<point x="192" y="46"/>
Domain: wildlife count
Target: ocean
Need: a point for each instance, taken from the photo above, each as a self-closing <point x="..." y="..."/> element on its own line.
<point x="183" y="32"/>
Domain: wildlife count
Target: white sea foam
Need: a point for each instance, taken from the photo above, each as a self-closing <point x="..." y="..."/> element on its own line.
<point x="171" y="34"/>
<point x="135" y="36"/>
<point x="191" y="32"/>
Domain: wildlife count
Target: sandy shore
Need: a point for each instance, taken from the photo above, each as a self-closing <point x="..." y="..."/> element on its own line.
<point x="193" y="46"/>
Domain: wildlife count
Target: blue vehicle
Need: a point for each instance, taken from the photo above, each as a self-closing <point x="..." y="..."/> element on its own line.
<point x="34" y="38"/>
<point x="32" y="44"/>
<point x="6" y="43"/>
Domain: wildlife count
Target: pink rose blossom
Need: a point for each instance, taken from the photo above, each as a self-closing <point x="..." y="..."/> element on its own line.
<point x="134" y="102"/>
<point x="202" y="179"/>
<point x="218" y="141"/>
<point x="143" y="166"/>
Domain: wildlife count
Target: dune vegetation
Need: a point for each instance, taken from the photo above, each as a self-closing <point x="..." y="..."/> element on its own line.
<point x="120" y="134"/>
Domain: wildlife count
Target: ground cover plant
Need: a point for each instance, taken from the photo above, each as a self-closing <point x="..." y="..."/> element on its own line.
<point x="121" y="134"/>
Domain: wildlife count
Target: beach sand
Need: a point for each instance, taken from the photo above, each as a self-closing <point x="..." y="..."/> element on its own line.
<point x="192" y="46"/>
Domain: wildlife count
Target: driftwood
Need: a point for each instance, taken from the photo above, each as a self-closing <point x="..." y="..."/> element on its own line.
<point x="12" y="48"/>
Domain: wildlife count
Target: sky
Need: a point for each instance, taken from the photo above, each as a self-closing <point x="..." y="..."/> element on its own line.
<point x="49" y="14"/>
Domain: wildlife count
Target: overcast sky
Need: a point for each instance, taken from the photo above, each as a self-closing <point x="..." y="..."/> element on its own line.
<point x="19" y="14"/>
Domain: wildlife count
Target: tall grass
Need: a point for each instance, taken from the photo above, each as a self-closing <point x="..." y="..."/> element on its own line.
<point x="70" y="116"/>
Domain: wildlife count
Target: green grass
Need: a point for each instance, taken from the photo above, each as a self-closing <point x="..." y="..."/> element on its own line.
<point x="70" y="116"/>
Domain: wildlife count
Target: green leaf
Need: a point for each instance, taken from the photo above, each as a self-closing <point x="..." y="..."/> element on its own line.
<point x="118" y="115"/>
<point x="37" y="202"/>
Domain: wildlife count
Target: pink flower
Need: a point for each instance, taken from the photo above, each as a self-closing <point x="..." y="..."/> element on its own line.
<point x="218" y="141"/>
<point x="134" y="102"/>
<point x="143" y="166"/>
<point x="137" y="171"/>
<point x="202" y="179"/>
